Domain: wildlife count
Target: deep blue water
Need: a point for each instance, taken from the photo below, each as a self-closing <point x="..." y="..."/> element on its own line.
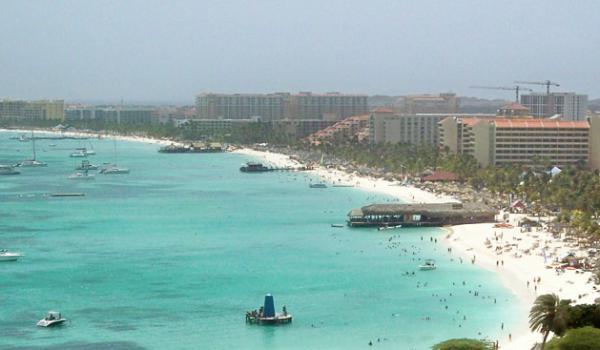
<point x="173" y="254"/>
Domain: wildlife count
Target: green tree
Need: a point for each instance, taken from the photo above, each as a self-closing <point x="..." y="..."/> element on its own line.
<point x="549" y="314"/>
<point x="464" y="344"/>
<point x="586" y="338"/>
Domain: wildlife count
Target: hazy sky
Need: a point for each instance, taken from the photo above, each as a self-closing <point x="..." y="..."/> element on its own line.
<point x="172" y="50"/>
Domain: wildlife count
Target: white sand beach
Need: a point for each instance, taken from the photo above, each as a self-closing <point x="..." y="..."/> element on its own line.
<point x="337" y="177"/>
<point x="520" y="258"/>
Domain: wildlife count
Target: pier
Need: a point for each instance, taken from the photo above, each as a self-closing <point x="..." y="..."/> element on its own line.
<point x="415" y="215"/>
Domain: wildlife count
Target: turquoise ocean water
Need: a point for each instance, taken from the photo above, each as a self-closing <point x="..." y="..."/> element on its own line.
<point x="172" y="255"/>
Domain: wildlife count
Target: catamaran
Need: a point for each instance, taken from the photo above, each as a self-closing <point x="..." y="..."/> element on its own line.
<point x="113" y="169"/>
<point x="31" y="163"/>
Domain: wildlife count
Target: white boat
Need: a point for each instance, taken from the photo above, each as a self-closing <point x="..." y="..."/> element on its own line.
<point x="87" y="152"/>
<point x="383" y="228"/>
<point x="81" y="175"/>
<point x="53" y="318"/>
<point x="86" y="165"/>
<point x="5" y="255"/>
<point x="32" y="163"/>
<point x="8" y="170"/>
<point x="78" y="154"/>
<point x="429" y="264"/>
<point x="113" y="170"/>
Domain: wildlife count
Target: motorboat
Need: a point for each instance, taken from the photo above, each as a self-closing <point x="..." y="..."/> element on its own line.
<point x="383" y="228"/>
<point x="337" y="225"/>
<point x="81" y="175"/>
<point x="113" y="170"/>
<point x="5" y="255"/>
<point x="87" y="152"/>
<point x="86" y="165"/>
<point x="318" y="185"/>
<point x="429" y="264"/>
<point x="78" y="154"/>
<point x="53" y="318"/>
<point x="8" y="170"/>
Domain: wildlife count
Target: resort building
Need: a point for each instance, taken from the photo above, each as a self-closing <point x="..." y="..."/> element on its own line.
<point x="212" y="127"/>
<point x="277" y="106"/>
<point x="299" y="128"/>
<point x="353" y="128"/>
<point x="111" y="114"/>
<point x="40" y="109"/>
<point x="385" y="126"/>
<point x="503" y="141"/>
<point x="441" y="103"/>
<point x="330" y="106"/>
<point x="569" y="105"/>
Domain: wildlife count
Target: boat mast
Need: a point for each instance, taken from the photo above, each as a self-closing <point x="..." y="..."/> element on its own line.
<point x="33" y="144"/>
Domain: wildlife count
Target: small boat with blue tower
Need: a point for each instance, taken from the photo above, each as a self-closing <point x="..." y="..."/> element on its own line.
<point x="266" y="314"/>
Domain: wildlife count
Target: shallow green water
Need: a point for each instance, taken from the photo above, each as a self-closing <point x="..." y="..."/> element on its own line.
<point x="172" y="255"/>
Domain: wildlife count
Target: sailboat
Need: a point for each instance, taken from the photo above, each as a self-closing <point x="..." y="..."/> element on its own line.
<point x="113" y="169"/>
<point x="31" y="163"/>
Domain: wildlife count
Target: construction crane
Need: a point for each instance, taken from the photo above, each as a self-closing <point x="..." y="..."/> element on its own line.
<point x="547" y="83"/>
<point x="515" y="88"/>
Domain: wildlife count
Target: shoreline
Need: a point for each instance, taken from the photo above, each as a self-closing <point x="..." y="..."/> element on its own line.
<point x="465" y="241"/>
<point x="515" y="270"/>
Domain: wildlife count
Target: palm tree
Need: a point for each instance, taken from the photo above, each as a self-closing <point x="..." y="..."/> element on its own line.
<point x="549" y="314"/>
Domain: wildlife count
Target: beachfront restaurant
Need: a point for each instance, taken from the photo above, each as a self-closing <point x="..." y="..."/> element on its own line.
<point x="410" y="215"/>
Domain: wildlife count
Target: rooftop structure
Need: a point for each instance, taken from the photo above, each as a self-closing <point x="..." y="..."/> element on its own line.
<point x="441" y="103"/>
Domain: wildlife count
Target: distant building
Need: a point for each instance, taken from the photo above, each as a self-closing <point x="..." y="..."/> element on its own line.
<point x="277" y="106"/>
<point x="241" y="106"/>
<point x="569" y="105"/>
<point x="514" y="110"/>
<point x="385" y="126"/>
<point x="503" y="141"/>
<point x="330" y="106"/>
<point x="112" y="114"/>
<point x="349" y="129"/>
<point x="40" y="109"/>
<point x="441" y="103"/>
<point x="299" y="128"/>
<point x="212" y="127"/>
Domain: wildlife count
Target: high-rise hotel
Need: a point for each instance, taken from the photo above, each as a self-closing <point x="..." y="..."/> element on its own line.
<point x="275" y="106"/>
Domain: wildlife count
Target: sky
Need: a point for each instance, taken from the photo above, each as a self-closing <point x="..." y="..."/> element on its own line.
<point x="170" y="51"/>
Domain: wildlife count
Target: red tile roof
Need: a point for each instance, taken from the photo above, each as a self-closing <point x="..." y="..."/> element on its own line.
<point x="540" y="123"/>
<point x="382" y="110"/>
<point x="515" y="106"/>
<point x="440" y="175"/>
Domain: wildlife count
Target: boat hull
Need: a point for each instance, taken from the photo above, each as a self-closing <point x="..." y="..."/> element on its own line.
<point x="51" y="323"/>
<point x="9" y="257"/>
